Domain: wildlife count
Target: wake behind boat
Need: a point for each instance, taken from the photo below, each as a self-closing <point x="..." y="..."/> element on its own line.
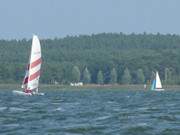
<point x="156" y="84"/>
<point x="31" y="80"/>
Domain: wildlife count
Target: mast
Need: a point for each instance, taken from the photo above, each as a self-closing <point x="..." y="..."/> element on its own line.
<point x="26" y="77"/>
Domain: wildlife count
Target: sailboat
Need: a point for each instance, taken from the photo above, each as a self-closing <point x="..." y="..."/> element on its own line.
<point x="31" y="79"/>
<point x="156" y="84"/>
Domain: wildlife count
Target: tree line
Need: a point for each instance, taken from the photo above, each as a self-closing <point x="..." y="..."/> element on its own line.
<point x="106" y="58"/>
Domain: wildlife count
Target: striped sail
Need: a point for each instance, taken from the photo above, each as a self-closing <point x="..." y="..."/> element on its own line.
<point x="31" y="79"/>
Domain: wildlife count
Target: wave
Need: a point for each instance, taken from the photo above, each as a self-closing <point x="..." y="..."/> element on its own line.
<point x="16" y="109"/>
<point x="59" y="109"/>
<point x="12" y="125"/>
<point x="55" y="103"/>
<point x="3" y="108"/>
<point x="103" y="117"/>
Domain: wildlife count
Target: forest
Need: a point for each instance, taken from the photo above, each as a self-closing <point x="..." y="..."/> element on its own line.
<point x="105" y="58"/>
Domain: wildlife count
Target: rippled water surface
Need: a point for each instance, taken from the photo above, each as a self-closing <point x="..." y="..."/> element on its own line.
<point x="91" y="112"/>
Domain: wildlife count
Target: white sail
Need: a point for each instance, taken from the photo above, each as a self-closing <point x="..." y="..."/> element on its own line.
<point x="34" y="65"/>
<point x="158" y="82"/>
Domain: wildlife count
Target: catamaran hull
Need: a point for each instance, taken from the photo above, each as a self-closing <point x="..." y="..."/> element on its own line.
<point x="38" y="94"/>
<point x="21" y="93"/>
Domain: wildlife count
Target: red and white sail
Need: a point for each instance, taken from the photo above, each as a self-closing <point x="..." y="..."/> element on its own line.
<point x="31" y="79"/>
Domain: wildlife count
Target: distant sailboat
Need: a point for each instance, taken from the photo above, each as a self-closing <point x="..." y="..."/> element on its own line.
<point x="156" y="84"/>
<point x="31" y="80"/>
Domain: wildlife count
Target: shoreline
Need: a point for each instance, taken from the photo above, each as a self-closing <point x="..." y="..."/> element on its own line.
<point x="88" y="87"/>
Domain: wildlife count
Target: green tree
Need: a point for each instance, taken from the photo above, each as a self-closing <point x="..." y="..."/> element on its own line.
<point x="126" y="78"/>
<point x="76" y="74"/>
<point x="113" y="76"/>
<point x="140" y="76"/>
<point x="86" y="76"/>
<point x="100" y="77"/>
<point x="166" y="75"/>
<point x="170" y="78"/>
<point x="98" y="51"/>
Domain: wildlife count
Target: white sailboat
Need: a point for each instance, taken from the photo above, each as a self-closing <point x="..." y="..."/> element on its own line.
<point x="156" y="85"/>
<point x="31" y="80"/>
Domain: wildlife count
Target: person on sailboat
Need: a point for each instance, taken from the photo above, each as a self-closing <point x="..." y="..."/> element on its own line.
<point x="26" y="90"/>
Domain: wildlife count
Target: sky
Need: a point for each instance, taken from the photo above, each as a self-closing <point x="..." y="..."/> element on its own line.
<point x="59" y="18"/>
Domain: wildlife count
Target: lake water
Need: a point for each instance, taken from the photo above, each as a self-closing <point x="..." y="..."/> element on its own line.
<point x="91" y="112"/>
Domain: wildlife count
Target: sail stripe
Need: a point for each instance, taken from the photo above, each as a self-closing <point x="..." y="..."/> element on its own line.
<point x="35" y="69"/>
<point x="34" y="76"/>
<point x="35" y="63"/>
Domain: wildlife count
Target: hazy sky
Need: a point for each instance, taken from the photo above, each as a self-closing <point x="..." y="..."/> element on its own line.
<point x="58" y="18"/>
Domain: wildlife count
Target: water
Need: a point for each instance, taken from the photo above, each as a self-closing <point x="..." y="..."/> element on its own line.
<point x="91" y="112"/>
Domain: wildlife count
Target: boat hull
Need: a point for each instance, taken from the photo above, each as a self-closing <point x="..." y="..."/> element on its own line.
<point x="38" y="94"/>
<point x="21" y="93"/>
<point x="158" y="90"/>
